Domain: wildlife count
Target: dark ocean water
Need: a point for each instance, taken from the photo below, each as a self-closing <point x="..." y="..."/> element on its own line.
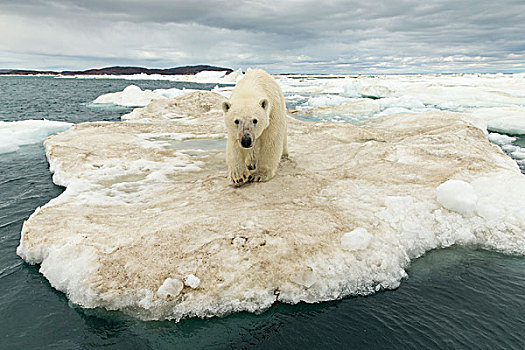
<point x="453" y="298"/>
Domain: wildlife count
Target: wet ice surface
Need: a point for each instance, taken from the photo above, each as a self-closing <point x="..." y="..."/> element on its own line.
<point x="345" y="216"/>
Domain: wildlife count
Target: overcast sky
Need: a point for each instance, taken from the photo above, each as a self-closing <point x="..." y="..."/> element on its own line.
<point x="280" y="36"/>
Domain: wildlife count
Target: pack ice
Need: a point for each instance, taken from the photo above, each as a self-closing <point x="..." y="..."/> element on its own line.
<point x="149" y="225"/>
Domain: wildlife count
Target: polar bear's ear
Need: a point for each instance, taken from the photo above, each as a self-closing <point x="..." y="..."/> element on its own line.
<point x="226" y="106"/>
<point x="264" y="103"/>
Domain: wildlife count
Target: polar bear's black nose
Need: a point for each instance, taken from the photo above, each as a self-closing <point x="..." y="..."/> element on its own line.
<point x="246" y="141"/>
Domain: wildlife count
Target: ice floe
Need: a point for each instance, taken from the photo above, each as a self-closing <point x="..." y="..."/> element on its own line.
<point x="25" y="132"/>
<point x="131" y="96"/>
<point x="151" y="227"/>
<point x="509" y="120"/>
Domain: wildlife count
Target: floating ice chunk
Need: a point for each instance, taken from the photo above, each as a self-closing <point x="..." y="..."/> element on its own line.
<point x="170" y="288"/>
<point x="500" y="139"/>
<point x="511" y="125"/>
<point x="358" y="239"/>
<point x="519" y="154"/>
<point x="508" y="120"/>
<point x="131" y="96"/>
<point x="510" y="148"/>
<point x="458" y="196"/>
<point x="206" y="75"/>
<point x="375" y="91"/>
<point x="26" y="132"/>
<point x="351" y="88"/>
<point x="234" y="76"/>
<point x="192" y="281"/>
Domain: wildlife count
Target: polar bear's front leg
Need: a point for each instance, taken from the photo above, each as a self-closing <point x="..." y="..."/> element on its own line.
<point x="237" y="171"/>
<point x="268" y="157"/>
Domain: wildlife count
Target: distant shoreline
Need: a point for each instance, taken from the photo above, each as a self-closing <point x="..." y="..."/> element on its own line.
<point x="119" y="70"/>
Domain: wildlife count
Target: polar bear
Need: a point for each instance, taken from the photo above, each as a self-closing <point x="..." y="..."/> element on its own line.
<point x="255" y="116"/>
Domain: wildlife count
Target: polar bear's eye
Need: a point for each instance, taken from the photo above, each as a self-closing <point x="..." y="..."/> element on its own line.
<point x="255" y="121"/>
<point x="236" y="121"/>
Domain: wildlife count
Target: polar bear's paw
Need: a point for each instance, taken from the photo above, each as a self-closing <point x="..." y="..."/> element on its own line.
<point x="260" y="176"/>
<point x="238" y="176"/>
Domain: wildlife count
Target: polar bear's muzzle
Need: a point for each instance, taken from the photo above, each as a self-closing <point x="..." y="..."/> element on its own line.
<point x="246" y="140"/>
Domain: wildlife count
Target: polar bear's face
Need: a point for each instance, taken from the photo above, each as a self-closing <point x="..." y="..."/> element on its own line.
<point x="246" y="120"/>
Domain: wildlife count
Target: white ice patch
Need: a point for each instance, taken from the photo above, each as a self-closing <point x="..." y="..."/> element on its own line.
<point x="131" y="96"/>
<point x="500" y="139"/>
<point x="502" y="203"/>
<point x="518" y="154"/>
<point x="26" y="132"/>
<point x="458" y="196"/>
<point x="375" y="91"/>
<point x="170" y="288"/>
<point x="508" y="120"/>
<point x="351" y="88"/>
<point x="234" y="76"/>
<point x="207" y="75"/>
<point x="192" y="281"/>
<point x="358" y="239"/>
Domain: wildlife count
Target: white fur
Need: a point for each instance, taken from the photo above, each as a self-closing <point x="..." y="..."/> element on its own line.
<point x="256" y="97"/>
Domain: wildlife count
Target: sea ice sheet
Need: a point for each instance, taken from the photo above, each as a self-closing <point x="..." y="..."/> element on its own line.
<point x="156" y="231"/>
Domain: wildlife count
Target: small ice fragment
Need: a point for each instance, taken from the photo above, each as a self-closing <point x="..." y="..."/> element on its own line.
<point x="239" y="241"/>
<point x="171" y="287"/>
<point x="458" y="196"/>
<point x="519" y="154"/>
<point x="357" y="239"/>
<point x="510" y="148"/>
<point x="192" y="281"/>
<point x="305" y="278"/>
<point x="501" y="139"/>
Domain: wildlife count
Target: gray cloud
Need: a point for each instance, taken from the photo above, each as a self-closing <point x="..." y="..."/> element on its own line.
<point x="281" y="36"/>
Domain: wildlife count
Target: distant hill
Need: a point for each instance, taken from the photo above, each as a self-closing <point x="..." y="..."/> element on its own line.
<point x="186" y="70"/>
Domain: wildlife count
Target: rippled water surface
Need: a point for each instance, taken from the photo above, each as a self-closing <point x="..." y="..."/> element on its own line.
<point x="453" y="298"/>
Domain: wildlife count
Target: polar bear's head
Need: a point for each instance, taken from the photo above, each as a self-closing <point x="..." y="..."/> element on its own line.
<point x="246" y="119"/>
